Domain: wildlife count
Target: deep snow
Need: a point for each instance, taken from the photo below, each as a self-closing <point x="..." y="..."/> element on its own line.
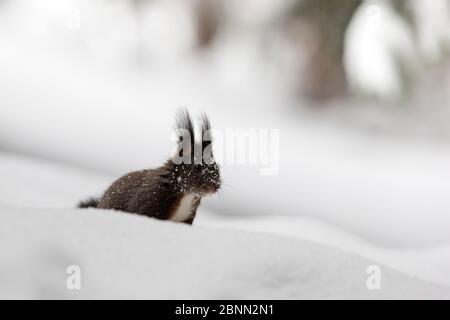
<point x="31" y="183"/>
<point x="128" y="256"/>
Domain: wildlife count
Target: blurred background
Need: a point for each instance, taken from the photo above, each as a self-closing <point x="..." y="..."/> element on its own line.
<point x="359" y="90"/>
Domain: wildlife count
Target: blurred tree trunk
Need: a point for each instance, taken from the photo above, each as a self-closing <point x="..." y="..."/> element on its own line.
<point x="207" y="21"/>
<point x="323" y="76"/>
<point x="403" y="7"/>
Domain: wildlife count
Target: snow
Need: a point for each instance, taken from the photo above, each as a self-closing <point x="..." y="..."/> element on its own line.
<point x="431" y="264"/>
<point x="127" y="256"/>
<point x="39" y="229"/>
<point x="433" y="34"/>
<point x="376" y="41"/>
<point x="32" y="183"/>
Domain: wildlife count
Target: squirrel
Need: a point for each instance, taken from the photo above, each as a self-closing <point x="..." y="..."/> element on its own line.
<point x="174" y="190"/>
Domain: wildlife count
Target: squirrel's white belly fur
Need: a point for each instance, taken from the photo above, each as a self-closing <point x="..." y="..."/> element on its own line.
<point x="184" y="210"/>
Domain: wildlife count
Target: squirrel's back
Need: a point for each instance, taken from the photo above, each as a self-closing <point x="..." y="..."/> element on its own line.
<point x="119" y="195"/>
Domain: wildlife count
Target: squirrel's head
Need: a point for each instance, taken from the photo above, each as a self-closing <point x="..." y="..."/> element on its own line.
<point x="194" y="165"/>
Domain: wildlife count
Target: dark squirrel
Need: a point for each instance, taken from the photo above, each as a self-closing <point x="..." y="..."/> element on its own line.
<point x="174" y="190"/>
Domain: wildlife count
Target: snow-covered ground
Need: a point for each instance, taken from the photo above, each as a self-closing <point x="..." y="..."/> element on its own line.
<point x="125" y="256"/>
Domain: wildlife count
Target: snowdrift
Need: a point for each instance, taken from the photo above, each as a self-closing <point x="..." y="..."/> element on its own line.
<point x="128" y="256"/>
<point x="35" y="183"/>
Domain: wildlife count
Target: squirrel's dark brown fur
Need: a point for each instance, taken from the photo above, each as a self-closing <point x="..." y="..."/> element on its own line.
<point x="174" y="190"/>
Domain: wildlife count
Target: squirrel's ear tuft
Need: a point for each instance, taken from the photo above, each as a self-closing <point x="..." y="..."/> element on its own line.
<point x="185" y="131"/>
<point x="206" y="135"/>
